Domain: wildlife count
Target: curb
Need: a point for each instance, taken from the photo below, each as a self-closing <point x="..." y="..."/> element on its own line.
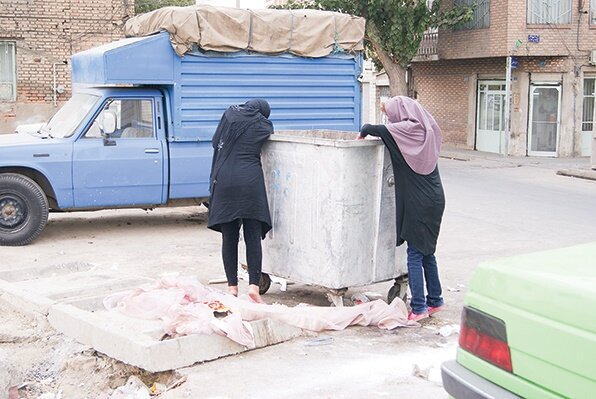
<point x="579" y="173"/>
<point x="454" y="156"/>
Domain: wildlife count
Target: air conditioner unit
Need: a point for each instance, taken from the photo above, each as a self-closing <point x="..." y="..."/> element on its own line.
<point x="593" y="57"/>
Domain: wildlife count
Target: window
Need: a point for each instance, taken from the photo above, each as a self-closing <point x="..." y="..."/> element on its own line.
<point x="8" y="77"/>
<point x="65" y="122"/>
<point x="588" y="109"/>
<point x="549" y="11"/>
<point x="481" y="16"/>
<point x="592" y="12"/>
<point x="134" y="119"/>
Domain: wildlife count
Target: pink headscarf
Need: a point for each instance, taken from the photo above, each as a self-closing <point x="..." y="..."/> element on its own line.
<point x="415" y="132"/>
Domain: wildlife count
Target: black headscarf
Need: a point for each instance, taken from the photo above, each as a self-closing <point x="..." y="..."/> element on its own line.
<point x="261" y="105"/>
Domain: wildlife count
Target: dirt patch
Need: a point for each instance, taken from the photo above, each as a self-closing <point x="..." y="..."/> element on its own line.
<point x="36" y="360"/>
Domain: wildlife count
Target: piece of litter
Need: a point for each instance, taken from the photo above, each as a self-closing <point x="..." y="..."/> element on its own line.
<point x="283" y="283"/>
<point x="322" y="340"/>
<point x="373" y="295"/>
<point x="220" y="280"/>
<point x="359" y="298"/>
<point x="50" y="395"/>
<point x="157" y="388"/>
<point x="448" y="330"/>
<point x="451" y="289"/>
<point x="133" y="389"/>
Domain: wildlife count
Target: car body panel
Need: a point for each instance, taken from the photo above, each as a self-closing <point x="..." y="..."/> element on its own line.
<point x="547" y="302"/>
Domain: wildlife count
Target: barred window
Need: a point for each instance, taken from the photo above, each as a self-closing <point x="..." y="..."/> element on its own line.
<point x="588" y="109"/>
<point x="549" y="11"/>
<point x="481" y="17"/>
<point x="8" y="77"/>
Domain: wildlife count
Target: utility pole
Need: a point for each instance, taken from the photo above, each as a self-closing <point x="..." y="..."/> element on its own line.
<point x="507" y="106"/>
<point x="509" y="67"/>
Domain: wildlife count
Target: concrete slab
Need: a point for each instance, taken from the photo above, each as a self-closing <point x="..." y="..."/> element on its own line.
<point x="71" y="296"/>
<point x="139" y="342"/>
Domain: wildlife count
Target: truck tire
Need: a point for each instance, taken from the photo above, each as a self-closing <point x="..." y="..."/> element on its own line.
<point x="23" y="209"/>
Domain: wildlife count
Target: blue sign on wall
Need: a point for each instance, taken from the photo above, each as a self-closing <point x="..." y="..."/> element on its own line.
<point x="514" y="62"/>
<point x="534" y="38"/>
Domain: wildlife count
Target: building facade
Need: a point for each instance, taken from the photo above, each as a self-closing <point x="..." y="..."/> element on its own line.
<point x="37" y="38"/>
<point x="552" y="48"/>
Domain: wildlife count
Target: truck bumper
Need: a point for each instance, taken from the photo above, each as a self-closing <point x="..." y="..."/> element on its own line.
<point x="461" y="383"/>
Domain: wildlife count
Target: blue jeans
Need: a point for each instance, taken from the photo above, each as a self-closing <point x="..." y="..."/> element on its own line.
<point x="423" y="268"/>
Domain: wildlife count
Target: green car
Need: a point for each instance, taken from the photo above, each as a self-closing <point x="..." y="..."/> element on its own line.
<point x="528" y="329"/>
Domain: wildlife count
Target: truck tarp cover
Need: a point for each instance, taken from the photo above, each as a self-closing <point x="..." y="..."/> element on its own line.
<point x="306" y="33"/>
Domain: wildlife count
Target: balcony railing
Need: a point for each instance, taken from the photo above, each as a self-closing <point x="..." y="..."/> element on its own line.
<point x="428" y="45"/>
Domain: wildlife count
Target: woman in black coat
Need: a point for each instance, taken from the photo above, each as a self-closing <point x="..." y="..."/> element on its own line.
<point x="413" y="139"/>
<point x="238" y="196"/>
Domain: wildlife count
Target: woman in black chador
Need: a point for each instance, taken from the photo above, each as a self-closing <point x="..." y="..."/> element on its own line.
<point x="238" y="196"/>
<point x="413" y="139"/>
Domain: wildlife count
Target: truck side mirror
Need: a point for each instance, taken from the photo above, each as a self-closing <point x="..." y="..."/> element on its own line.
<point x="108" y="126"/>
<point x="108" y="122"/>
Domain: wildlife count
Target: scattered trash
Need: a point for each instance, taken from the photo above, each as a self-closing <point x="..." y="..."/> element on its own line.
<point x="219" y="280"/>
<point x="374" y="295"/>
<point x="322" y="340"/>
<point x="157" y="388"/>
<point x="432" y="374"/>
<point x="50" y="395"/>
<point x="359" y="298"/>
<point x="283" y="283"/>
<point x="133" y="389"/>
<point x="458" y="288"/>
<point x="448" y="330"/>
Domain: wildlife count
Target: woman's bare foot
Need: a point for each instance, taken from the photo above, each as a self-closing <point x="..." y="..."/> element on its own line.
<point x="233" y="290"/>
<point x="253" y="294"/>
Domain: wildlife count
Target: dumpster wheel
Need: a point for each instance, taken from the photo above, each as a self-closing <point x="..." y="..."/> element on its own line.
<point x="399" y="289"/>
<point x="264" y="283"/>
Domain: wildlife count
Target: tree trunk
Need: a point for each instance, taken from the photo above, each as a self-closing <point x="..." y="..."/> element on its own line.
<point x="395" y="72"/>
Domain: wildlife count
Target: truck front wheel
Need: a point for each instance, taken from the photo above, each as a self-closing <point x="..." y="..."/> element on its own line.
<point x="23" y="209"/>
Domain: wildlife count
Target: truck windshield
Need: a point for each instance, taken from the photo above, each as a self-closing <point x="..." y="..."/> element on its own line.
<point x="70" y="116"/>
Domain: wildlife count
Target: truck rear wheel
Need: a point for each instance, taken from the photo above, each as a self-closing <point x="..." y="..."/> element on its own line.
<point x="23" y="209"/>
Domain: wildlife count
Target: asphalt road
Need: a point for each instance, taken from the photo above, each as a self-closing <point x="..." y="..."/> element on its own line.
<point x="494" y="209"/>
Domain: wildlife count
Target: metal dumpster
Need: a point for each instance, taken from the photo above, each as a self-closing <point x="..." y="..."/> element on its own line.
<point x="332" y="204"/>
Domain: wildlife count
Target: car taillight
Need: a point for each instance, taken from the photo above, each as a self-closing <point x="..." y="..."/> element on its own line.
<point x="486" y="337"/>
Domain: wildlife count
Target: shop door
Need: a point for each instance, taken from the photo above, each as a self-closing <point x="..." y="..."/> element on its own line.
<point x="543" y="132"/>
<point x="490" y="124"/>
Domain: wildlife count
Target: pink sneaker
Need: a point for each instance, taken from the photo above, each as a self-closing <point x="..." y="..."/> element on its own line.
<point x="432" y="310"/>
<point x="417" y="316"/>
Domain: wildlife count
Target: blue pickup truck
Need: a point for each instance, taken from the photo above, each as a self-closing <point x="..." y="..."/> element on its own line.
<point x="137" y="131"/>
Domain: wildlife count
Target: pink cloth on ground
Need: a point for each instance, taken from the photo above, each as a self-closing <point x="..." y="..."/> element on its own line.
<point x="182" y="304"/>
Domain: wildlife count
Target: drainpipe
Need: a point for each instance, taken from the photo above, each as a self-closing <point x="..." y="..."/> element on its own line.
<point x="57" y="89"/>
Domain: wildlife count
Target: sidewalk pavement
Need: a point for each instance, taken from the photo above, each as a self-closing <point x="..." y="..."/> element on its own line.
<point x="579" y="167"/>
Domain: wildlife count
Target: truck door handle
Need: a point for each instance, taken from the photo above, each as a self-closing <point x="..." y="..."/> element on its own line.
<point x="151" y="151"/>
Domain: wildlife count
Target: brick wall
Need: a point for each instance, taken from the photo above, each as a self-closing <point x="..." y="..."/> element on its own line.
<point x="443" y="87"/>
<point x="48" y="32"/>
<point x="508" y="24"/>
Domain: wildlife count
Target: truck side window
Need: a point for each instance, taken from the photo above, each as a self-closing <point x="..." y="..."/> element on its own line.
<point x="134" y="119"/>
<point x="137" y="119"/>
